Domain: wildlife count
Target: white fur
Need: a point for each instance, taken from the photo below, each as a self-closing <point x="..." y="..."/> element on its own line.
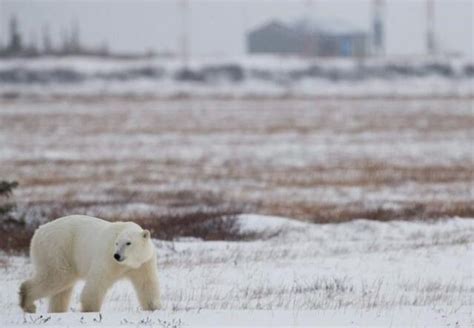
<point x="82" y="247"/>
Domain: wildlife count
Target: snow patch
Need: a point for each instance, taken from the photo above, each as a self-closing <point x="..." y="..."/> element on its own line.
<point x="263" y="224"/>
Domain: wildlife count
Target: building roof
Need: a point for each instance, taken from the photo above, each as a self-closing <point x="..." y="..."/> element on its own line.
<point x="326" y="26"/>
<point x="319" y="26"/>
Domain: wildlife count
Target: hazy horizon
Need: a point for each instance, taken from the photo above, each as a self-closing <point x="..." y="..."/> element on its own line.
<point x="218" y="28"/>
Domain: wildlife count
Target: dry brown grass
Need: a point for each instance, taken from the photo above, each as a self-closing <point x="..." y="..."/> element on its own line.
<point x="184" y="167"/>
<point x="208" y="220"/>
<point x="16" y="236"/>
<point x="407" y="211"/>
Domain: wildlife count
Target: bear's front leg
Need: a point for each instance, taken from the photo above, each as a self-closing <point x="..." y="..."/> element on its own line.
<point x="93" y="294"/>
<point x="145" y="282"/>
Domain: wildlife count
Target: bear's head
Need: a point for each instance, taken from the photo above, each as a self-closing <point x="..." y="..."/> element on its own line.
<point x="133" y="248"/>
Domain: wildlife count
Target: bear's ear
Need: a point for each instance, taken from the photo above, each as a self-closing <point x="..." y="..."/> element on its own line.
<point x="146" y="234"/>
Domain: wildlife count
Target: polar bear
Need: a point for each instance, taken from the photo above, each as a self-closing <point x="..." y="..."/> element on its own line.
<point x="77" y="247"/>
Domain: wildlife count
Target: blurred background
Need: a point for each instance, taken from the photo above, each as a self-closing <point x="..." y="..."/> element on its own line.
<point x="181" y="115"/>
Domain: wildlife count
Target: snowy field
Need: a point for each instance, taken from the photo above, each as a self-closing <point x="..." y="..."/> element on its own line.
<point x="360" y="273"/>
<point x="316" y="160"/>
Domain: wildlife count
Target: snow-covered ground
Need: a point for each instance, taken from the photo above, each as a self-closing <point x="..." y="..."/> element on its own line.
<point x="358" y="273"/>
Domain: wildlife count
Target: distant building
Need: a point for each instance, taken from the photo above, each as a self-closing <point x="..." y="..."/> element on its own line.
<point x="308" y="39"/>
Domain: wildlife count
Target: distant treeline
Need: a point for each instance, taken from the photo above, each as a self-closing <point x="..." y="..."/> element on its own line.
<point x="13" y="74"/>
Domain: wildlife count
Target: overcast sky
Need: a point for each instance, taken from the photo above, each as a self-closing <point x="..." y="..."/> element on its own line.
<point x="217" y="27"/>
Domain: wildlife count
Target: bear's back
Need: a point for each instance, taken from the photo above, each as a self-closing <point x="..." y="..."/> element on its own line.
<point x="73" y="236"/>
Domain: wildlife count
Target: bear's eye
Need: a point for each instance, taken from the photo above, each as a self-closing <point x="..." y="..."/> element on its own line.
<point x="129" y="243"/>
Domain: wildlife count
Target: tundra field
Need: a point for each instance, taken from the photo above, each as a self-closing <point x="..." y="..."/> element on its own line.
<point x="380" y="192"/>
<point x="313" y="160"/>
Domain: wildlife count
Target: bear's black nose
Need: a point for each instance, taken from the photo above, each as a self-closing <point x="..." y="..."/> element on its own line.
<point x="117" y="257"/>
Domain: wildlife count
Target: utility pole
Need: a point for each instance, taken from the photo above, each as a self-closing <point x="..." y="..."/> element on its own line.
<point x="245" y="25"/>
<point x="378" y="27"/>
<point x="75" y="40"/>
<point x="430" y="28"/>
<point x="184" y="6"/>
<point x="47" y="46"/>
<point x="309" y="43"/>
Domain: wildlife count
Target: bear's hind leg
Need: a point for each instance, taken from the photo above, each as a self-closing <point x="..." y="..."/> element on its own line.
<point x="41" y="286"/>
<point x="60" y="301"/>
<point x="26" y="301"/>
